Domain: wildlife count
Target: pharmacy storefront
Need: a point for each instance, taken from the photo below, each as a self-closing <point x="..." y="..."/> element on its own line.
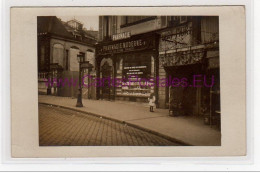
<point x="126" y="67"/>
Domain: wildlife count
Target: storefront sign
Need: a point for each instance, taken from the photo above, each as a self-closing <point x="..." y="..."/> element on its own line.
<point x="177" y="37"/>
<point x="121" y="36"/>
<point x="126" y="45"/>
<point x="135" y="70"/>
<point x="182" y="58"/>
<point x="134" y="67"/>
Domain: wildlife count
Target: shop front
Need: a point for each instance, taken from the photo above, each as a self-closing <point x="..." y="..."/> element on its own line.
<point x="183" y="99"/>
<point x="187" y="70"/>
<point x="126" y="67"/>
<point x="196" y="91"/>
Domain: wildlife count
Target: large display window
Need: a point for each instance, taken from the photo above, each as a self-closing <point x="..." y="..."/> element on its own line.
<point x="134" y="70"/>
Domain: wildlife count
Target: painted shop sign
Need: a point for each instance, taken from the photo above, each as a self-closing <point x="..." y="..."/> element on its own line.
<point x="126" y="46"/>
<point x="135" y="70"/>
<point x="120" y="36"/>
<point x="175" y="38"/>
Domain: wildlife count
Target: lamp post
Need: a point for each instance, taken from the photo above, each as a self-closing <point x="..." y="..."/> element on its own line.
<point x="80" y="59"/>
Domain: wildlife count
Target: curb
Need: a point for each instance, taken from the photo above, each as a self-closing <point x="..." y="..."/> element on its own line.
<point x="122" y="122"/>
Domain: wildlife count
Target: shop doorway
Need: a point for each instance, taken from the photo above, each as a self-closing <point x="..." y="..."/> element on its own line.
<point x="106" y="75"/>
<point x="184" y="100"/>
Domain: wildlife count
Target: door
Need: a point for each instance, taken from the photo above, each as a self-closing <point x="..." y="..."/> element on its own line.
<point x="106" y="73"/>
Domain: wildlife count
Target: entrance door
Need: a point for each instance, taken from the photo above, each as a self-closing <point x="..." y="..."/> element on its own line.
<point x="184" y="100"/>
<point x="189" y="101"/>
<point x="106" y="71"/>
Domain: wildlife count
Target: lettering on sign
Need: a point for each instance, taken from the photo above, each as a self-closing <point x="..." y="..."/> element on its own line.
<point x="121" y="36"/>
<point x="126" y="46"/>
<point x="177" y="37"/>
<point x="140" y="71"/>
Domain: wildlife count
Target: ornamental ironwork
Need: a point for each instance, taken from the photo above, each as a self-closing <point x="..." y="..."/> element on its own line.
<point x="182" y="58"/>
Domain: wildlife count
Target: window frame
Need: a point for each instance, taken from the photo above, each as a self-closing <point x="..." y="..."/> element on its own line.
<point x="136" y="22"/>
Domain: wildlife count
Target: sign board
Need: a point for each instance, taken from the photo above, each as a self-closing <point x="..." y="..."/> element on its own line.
<point x="126" y="45"/>
<point x="121" y="36"/>
<point x="134" y="67"/>
<point x="135" y="70"/>
<point x="175" y="38"/>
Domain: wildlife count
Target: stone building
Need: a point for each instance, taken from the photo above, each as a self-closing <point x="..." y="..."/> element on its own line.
<point x="59" y="43"/>
<point x="128" y="51"/>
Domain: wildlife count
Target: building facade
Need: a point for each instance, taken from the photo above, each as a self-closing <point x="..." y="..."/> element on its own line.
<point x="128" y="52"/>
<point x="157" y="54"/>
<point x="59" y="43"/>
<point x="189" y="60"/>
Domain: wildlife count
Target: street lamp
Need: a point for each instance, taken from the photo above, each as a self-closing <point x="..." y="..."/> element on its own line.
<point x="80" y="59"/>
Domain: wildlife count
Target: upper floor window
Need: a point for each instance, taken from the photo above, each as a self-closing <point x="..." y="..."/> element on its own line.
<point x="183" y="19"/>
<point x="175" y="20"/>
<point x="132" y="20"/>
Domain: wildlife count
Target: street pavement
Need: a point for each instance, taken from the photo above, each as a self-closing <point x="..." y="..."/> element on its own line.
<point x="64" y="127"/>
<point x="186" y="129"/>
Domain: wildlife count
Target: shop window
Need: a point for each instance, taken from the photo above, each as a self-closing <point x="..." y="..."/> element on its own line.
<point x="134" y="66"/>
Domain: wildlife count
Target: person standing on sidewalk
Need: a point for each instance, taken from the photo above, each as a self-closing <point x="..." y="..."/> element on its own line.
<point x="151" y="100"/>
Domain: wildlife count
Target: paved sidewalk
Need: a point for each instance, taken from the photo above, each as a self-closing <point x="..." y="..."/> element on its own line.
<point x="189" y="130"/>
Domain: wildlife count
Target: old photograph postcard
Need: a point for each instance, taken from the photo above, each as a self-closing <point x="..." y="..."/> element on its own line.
<point x="130" y="82"/>
<point x="130" y="71"/>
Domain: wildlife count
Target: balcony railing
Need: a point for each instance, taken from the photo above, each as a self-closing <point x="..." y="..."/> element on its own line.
<point x="42" y="76"/>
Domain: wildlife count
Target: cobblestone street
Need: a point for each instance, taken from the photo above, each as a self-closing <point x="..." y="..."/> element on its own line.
<point x="63" y="127"/>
